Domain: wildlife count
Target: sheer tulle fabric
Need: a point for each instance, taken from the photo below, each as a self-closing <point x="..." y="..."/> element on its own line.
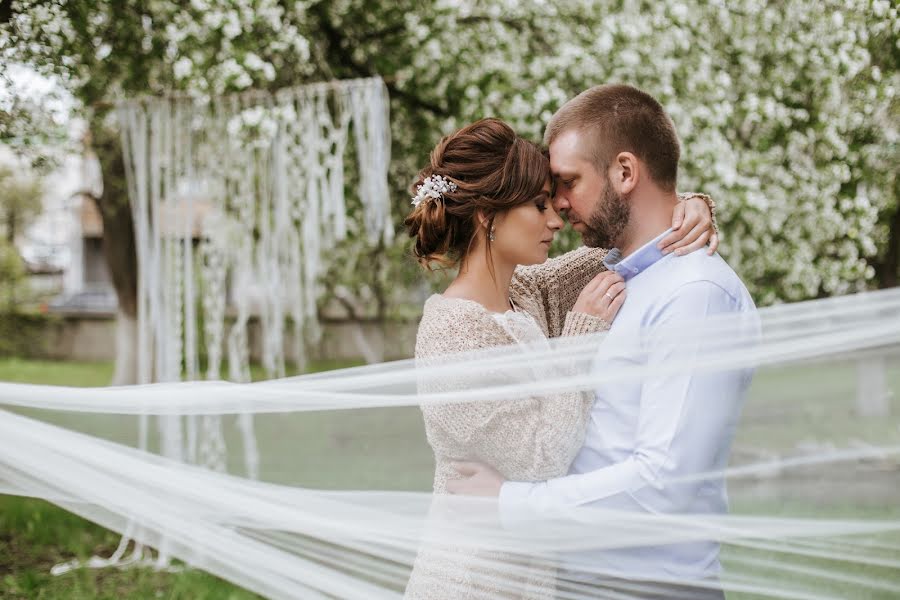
<point x="342" y="502"/>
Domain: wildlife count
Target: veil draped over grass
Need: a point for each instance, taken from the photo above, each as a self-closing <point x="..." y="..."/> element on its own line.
<point x="339" y="502"/>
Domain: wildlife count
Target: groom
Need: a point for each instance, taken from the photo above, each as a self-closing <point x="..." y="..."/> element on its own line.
<point x="614" y="156"/>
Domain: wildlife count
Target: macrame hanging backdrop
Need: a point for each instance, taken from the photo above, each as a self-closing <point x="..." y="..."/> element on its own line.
<point x="258" y="180"/>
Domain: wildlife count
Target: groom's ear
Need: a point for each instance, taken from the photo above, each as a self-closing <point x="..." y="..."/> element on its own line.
<point x="626" y="171"/>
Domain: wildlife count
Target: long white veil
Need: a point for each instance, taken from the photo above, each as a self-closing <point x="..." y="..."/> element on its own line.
<point x="342" y="502"/>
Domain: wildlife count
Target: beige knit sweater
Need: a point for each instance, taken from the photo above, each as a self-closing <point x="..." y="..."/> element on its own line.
<point x="527" y="439"/>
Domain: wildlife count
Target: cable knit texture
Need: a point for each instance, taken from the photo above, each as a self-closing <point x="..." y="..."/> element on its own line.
<point x="526" y="439"/>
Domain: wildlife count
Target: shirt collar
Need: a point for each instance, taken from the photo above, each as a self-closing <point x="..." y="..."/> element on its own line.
<point x="638" y="261"/>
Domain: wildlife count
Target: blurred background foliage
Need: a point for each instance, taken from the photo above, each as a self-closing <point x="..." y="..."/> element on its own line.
<point x="788" y="111"/>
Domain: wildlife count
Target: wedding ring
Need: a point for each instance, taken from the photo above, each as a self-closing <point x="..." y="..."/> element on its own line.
<point x="608" y="296"/>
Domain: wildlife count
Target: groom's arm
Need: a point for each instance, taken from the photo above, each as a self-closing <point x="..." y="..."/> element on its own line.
<point x="685" y="421"/>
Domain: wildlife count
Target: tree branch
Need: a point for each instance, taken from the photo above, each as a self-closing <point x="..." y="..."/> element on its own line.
<point x="336" y="42"/>
<point x="348" y="305"/>
<point x="888" y="269"/>
<point x="414" y="100"/>
<point x="517" y="24"/>
<point x="382" y="33"/>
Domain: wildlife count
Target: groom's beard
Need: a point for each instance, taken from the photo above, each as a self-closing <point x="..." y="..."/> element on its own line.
<point x="609" y="220"/>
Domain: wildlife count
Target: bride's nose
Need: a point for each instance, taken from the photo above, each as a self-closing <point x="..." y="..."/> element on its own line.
<point x="554" y="222"/>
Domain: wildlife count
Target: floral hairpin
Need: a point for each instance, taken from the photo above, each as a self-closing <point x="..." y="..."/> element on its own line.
<point x="434" y="186"/>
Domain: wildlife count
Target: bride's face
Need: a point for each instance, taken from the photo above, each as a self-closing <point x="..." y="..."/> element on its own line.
<point x="523" y="235"/>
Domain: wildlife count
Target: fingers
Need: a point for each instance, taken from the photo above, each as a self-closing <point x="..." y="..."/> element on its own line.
<point x="670" y="239"/>
<point x="606" y="280"/>
<point x="678" y="215"/>
<point x="613" y="300"/>
<point x="614" y="306"/>
<point x="465" y="468"/>
<point x="696" y="210"/>
<point x="700" y="242"/>
<point x="713" y="243"/>
<point x="600" y="279"/>
<point x="597" y="297"/>
<point x="687" y="226"/>
<point x="613" y="291"/>
<point x="608" y="289"/>
<point x="689" y="241"/>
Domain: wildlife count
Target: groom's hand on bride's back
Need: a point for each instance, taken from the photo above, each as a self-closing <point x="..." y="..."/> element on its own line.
<point x="602" y="297"/>
<point x="476" y="479"/>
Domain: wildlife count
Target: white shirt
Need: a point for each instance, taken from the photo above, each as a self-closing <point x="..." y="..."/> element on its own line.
<point x="645" y="432"/>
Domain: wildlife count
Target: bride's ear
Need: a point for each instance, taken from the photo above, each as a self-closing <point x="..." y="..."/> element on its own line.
<point x="483" y="220"/>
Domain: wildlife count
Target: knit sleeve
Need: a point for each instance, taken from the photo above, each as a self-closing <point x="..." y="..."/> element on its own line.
<point x="556" y="283"/>
<point x="538" y="435"/>
<point x="579" y="323"/>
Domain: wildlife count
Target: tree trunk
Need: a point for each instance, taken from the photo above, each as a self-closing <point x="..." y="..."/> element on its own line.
<point x="887" y="265"/>
<point x="11" y="240"/>
<point x="126" y="350"/>
<point x="119" y="250"/>
<point x="11" y="227"/>
<point x="372" y="353"/>
<point x="889" y="269"/>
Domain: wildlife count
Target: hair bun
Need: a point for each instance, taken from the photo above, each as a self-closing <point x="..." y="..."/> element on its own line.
<point x="428" y="224"/>
<point x="491" y="170"/>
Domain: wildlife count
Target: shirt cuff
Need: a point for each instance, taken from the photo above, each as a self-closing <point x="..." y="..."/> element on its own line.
<point x="513" y="504"/>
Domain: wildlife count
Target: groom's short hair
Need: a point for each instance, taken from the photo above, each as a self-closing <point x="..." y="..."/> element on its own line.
<point x="621" y="118"/>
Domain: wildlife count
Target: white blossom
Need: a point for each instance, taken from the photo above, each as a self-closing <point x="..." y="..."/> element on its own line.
<point x="182" y="67"/>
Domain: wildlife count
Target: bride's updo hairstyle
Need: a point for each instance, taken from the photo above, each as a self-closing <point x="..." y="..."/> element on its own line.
<point x="493" y="170"/>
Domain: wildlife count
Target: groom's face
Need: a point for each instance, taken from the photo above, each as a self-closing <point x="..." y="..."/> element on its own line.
<point x="585" y="194"/>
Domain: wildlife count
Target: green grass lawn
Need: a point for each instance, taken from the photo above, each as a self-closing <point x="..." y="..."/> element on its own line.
<point x="35" y="535"/>
<point x="355" y="449"/>
<point x="46" y="372"/>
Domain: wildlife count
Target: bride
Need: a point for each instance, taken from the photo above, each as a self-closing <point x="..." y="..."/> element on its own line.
<point x="483" y="204"/>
